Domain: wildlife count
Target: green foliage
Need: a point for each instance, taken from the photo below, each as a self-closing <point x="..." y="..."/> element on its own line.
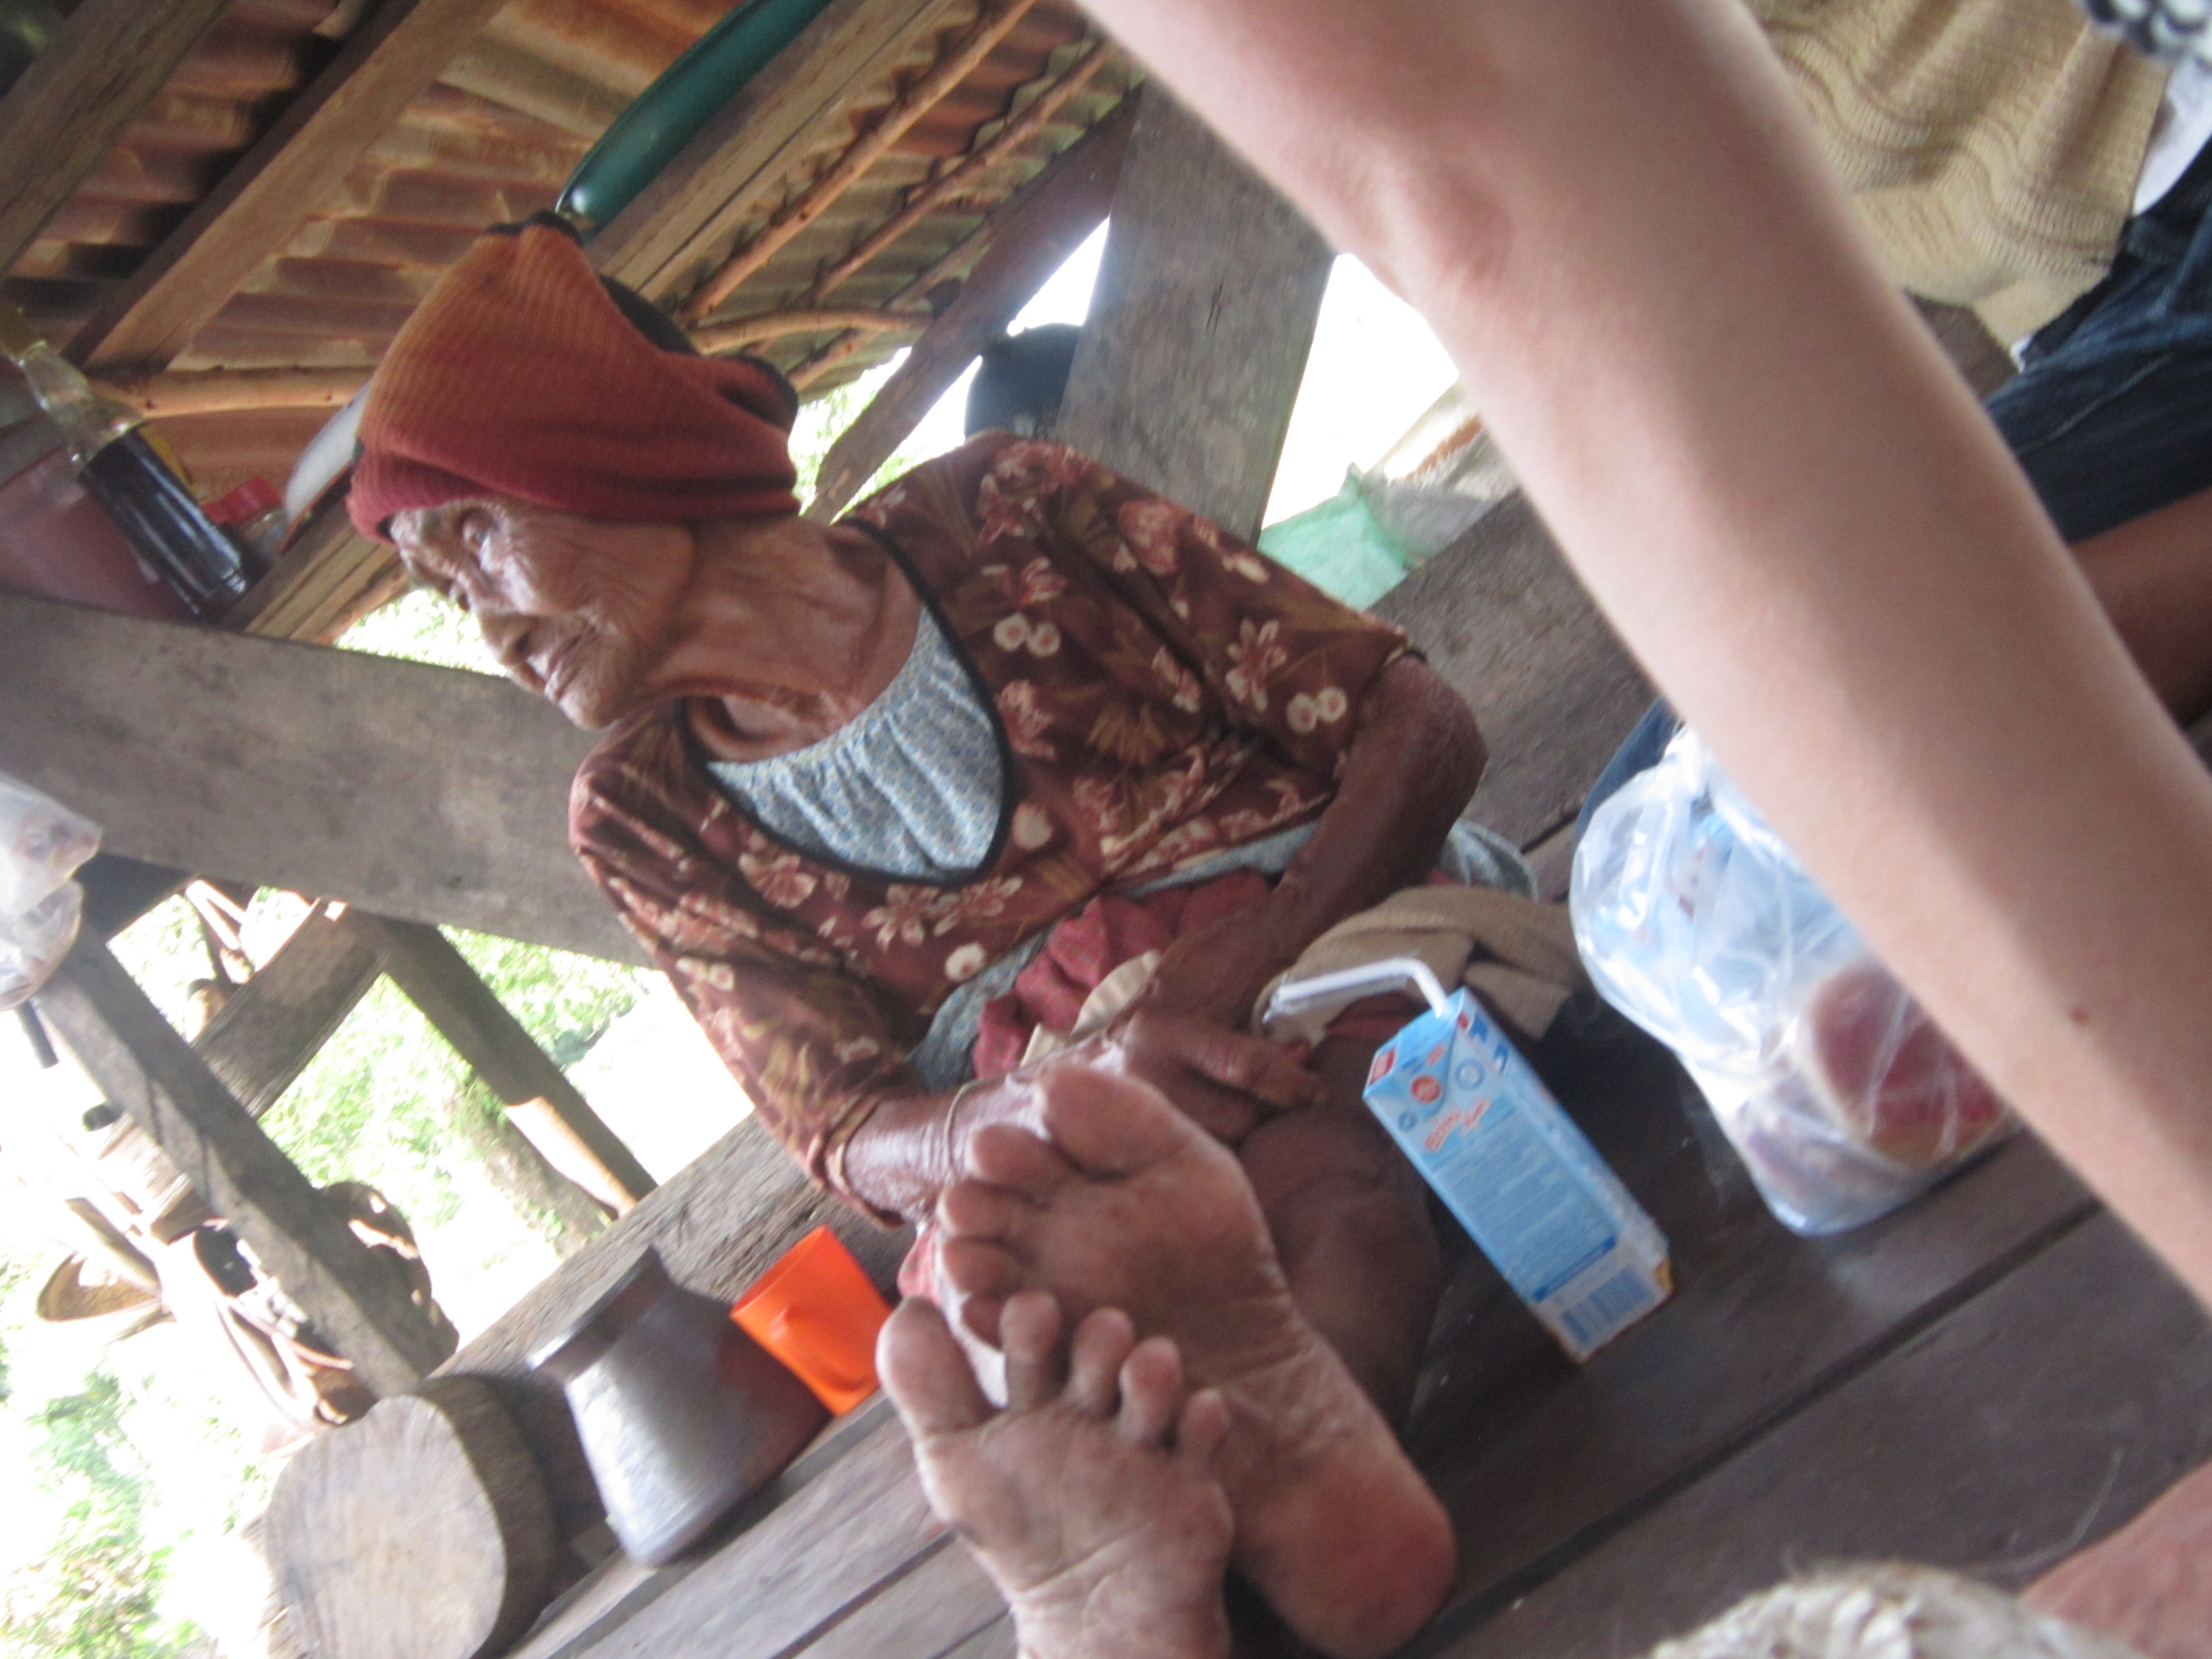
<point x="420" y="626"/>
<point x="97" y="1596"/>
<point x="566" y="1001"/>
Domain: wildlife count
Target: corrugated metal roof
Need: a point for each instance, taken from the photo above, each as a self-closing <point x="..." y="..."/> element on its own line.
<point x="495" y="140"/>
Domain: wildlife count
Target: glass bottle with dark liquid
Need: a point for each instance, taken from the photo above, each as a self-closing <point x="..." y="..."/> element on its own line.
<point x="120" y="469"/>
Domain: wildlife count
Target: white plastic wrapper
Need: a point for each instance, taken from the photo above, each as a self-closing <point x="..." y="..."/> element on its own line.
<point x="1698" y="924"/>
<point x="41" y="845"/>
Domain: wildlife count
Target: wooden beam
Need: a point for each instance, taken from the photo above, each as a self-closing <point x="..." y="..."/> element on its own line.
<point x="789" y="113"/>
<point x="545" y="1105"/>
<point x="389" y="61"/>
<point x="426" y="793"/>
<point x="59" y="122"/>
<point x="1199" y="332"/>
<point x="220" y="391"/>
<point x="359" y="1301"/>
<point x="1030" y="237"/>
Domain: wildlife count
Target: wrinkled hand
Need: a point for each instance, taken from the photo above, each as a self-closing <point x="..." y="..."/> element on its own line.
<point x="1215" y="973"/>
<point x="1225" y="1081"/>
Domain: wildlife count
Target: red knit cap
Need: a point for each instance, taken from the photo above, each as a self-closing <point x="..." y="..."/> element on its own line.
<point x="521" y="376"/>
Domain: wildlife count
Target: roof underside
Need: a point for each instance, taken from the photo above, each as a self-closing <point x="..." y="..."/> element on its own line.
<point x="494" y="138"/>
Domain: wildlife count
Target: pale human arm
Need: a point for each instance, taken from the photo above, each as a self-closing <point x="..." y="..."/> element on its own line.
<point x="1788" y="505"/>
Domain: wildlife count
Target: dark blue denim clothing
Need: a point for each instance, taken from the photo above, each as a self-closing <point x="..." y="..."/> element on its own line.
<point x="2110" y="417"/>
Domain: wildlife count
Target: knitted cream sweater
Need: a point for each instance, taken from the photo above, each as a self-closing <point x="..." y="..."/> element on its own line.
<point x="1992" y="146"/>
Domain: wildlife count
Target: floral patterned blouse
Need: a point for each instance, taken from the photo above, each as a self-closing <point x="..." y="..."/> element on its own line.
<point x="1162" y="692"/>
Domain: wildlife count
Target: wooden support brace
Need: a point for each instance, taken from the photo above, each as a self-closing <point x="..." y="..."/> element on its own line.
<point x="1030" y="237"/>
<point x="358" y="1301"/>
<point x="545" y="1105"/>
<point x="60" y="121"/>
<point x="1199" y="332"/>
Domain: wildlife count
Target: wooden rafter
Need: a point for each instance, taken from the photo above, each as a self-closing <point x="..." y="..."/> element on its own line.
<point x="110" y="60"/>
<point x="390" y="61"/>
<point x="777" y="325"/>
<point x="972" y="46"/>
<point x="935" y="192"/>
<point x="216" y="391"/>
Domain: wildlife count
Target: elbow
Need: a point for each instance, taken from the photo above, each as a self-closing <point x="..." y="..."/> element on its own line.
<point x="1435" y="723"/>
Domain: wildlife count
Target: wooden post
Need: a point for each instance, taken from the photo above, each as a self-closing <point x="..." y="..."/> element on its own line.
<point x="545" y="1105"/>
<point x="278" y="1020"/>
<point x="1199" y="332"/>
<point x="357" y="1300"/>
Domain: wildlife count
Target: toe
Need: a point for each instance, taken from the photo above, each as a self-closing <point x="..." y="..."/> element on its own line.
<point x="1102" y="1342"/>
<point x="926" y="1375"/>
<point x="1201" y="1430"/>
<point x="971" y="1209"/>
<point x="981" y="1277"/>
<point x="1028" y="1335"/>
<point x="1105" y="1124"/>
<point x="1152" y="1391"/>
<point x="1005" y="1156"/>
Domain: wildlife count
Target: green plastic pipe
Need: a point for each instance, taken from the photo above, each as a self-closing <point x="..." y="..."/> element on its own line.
<point x="668" y="114"/>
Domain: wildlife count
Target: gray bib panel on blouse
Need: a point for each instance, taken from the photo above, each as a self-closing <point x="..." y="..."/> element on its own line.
<point x="912" y="785"/>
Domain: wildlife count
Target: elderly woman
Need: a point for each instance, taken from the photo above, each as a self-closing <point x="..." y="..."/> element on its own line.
<point x="882" y="798"/>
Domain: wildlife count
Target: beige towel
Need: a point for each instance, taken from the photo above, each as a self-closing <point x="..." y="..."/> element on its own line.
<point x="1516" y="953"/>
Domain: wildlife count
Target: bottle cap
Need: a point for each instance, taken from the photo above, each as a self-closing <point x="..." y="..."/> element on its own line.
<point x="246" y="503"/>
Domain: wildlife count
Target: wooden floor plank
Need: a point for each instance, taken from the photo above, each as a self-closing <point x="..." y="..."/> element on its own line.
<point x="1533" y="1454"/>
<point x="789" y="1576"/>
<point x="936" y="1607"/>
<point x="2028" y="1422"/>
<point x="717" y="1223"/>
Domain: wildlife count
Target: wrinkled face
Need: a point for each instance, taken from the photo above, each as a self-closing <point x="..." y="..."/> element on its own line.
<point x="579" y="610"/>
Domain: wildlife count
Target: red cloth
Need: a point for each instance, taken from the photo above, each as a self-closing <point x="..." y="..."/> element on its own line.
<point x="1088" y="945"/>
<point x="519" y="376"/>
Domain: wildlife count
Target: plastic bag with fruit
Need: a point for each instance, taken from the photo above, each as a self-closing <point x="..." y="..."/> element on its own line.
<point x="41" y="845"/>
<point x="1697" y="922"/>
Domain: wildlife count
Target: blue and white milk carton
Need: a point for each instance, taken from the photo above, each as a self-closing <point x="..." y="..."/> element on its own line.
<point x="1525" y="1182"/>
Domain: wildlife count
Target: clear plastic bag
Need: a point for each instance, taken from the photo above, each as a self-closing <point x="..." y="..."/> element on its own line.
<point x="1696" y="922"/>
<point x="42" y="843"/>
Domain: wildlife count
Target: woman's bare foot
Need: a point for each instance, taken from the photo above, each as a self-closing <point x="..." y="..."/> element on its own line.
<point x="2150" y="1583"/>
<point x="1130" y="1205"/>
<point x="1091" y="1500"/>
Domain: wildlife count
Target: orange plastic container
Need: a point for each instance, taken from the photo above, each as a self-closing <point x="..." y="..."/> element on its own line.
<point x="816" y="1311"/>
